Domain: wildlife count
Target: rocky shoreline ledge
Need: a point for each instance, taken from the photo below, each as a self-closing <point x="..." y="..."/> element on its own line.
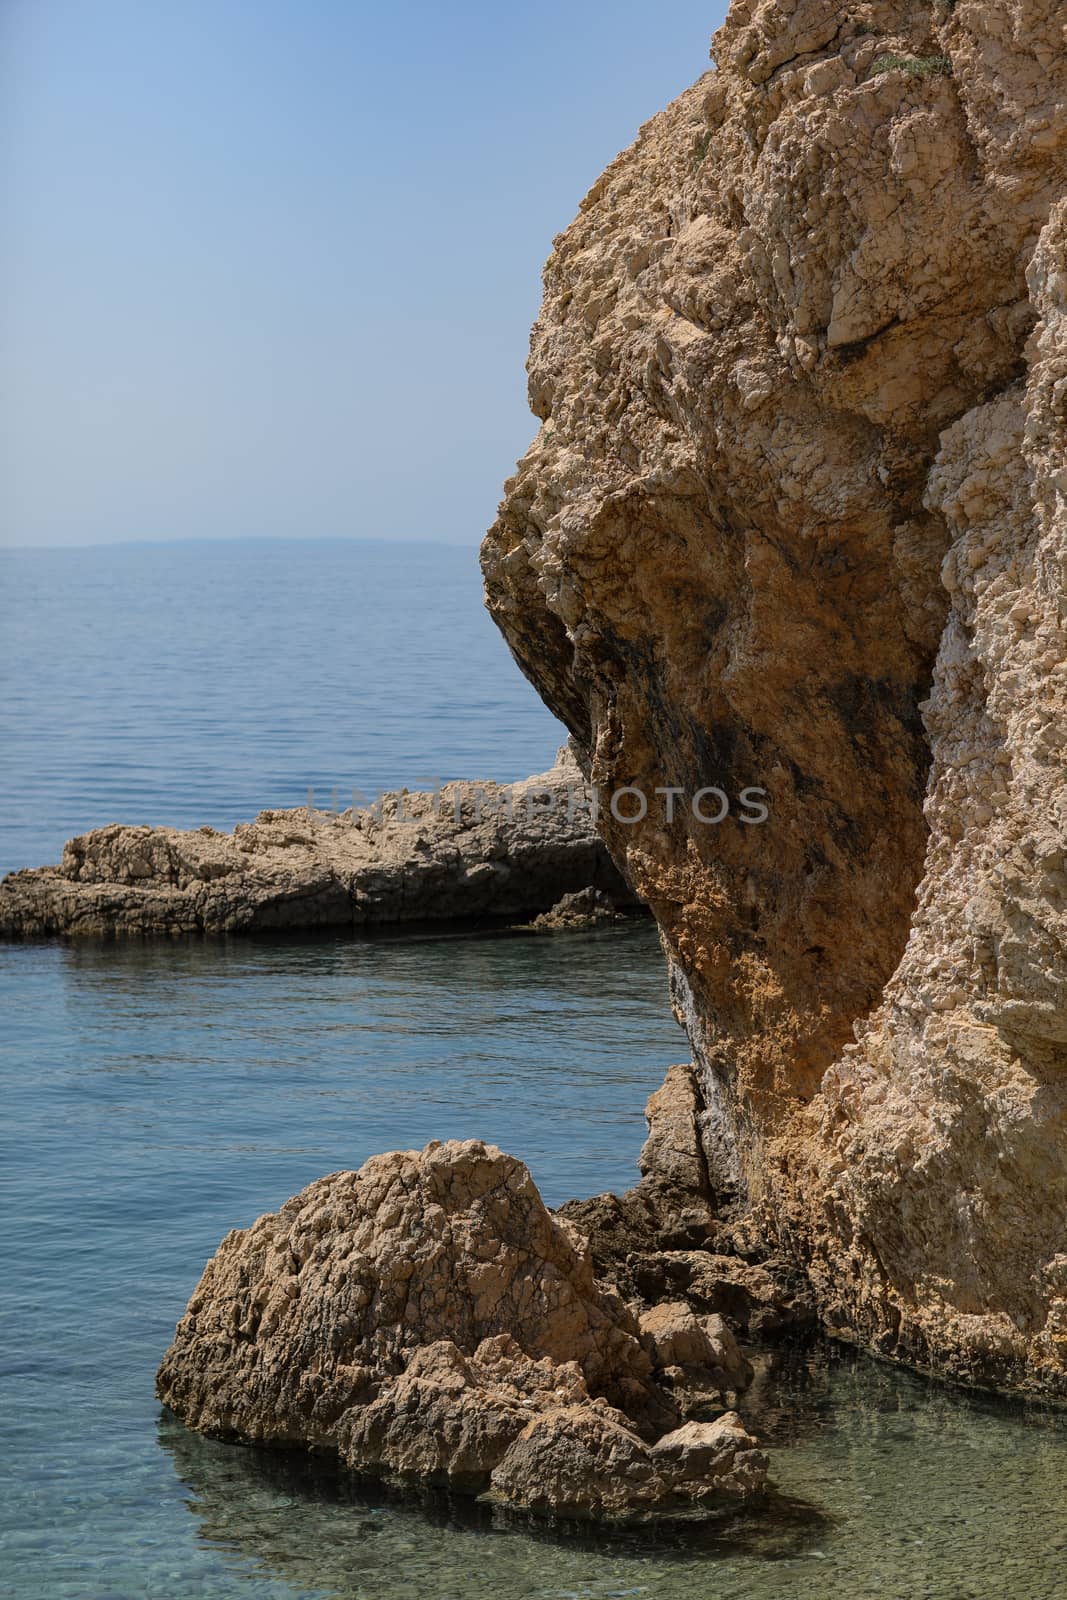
<point x="470" y="851"/>
<point x="427" y="1321"/>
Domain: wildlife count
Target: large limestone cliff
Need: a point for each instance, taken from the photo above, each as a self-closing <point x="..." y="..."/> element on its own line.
<point x="795" y="517"/>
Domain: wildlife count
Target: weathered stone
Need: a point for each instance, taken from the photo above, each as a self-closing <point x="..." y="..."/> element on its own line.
<point x="586" y="908"/>
<point x="580" y="1462"/>
<point x="672" y="1159"/>
<point x="448" y="1419"/>
<point x="758" y="1300"/>
<point x="473" y="850"/>
<point x="616" y="1227"/>
<point x="711" y="1454"/>
<point x="422" y="1318"/>
<point x="575" y="1462"/>
<point x="796" y="519"/>
<point x="671" y="1208"/>
<point x="676" y="1336"/>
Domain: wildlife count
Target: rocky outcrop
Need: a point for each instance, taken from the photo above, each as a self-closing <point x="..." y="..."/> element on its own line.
<point x="571" y="1463"/>
<point x="795" y="518"/>
<point x="760" y="1300"/>
<point x="672" y="1205"/>
<point x="697" y="1355"/>
<point x="428" y="1320"/>
<point x="472" y="850"/>
<point x="586" y="908"/>
<point x="663" y="1246"/>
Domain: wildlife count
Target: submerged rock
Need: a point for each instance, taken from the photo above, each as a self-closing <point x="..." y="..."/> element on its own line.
<point x="796" y="518"/>
<point x="429" y="1320"/>
<point x="473" y="850"/>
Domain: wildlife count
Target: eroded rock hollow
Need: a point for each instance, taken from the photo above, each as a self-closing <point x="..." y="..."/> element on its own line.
<point x="795" y="518"/>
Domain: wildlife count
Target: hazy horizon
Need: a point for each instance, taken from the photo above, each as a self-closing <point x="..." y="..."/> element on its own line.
<point x="245" y="539"/>
<point x="272" y="268"/>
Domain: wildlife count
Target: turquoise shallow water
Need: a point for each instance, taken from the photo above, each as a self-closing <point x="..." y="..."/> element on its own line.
<point x="155" y="1096"/>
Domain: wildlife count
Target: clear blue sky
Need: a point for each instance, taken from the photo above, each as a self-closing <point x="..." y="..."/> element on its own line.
<point x="271" y="264"/>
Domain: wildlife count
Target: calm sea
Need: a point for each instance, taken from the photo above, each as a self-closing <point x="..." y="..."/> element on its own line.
<point x="156" y="1095"/>
<point x="193" y="683"/>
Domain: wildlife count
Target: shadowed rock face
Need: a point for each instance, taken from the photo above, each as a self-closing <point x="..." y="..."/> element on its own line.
<point x="795" y="519"/>
<point x="429" y="1321"/>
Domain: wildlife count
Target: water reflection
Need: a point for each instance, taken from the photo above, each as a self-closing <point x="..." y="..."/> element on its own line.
<point x="887" y="1485"/>
<point x="323" y="1530"/>
<point x="495" y="958"/>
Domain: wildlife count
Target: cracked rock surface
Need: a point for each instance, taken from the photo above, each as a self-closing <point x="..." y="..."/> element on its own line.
<point x="427" y="1319"/>
<point x="796" y="517"/>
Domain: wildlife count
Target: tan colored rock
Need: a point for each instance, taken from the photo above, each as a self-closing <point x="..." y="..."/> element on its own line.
<point x="795" y="519"/>
<point x="449" y="1418"/>
<point x="672" y="1206"/>
<point x="472" y="850"/>
<point x="676" y="1336"/>
<point x="672" y="1156"/>
<point x="575" y="1462"/>
<point x="361" y="1269"/>
<point x="579" y="1462"/>
<point x="673" y="1336"/>
<point x="758" y="1300"/>
<point x="709" y="1454"/>
<point x="418" y="1318"/>
<point x="942" y="1133"/>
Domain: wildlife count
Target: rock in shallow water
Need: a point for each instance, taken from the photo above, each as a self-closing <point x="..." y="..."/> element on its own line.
<point x="678" y="1337"/>
<point x="429" y="1320"/>
<point x="579" y="1462"/>
<point x="586" y="908"/>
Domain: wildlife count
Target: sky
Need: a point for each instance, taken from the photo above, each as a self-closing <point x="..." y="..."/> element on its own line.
<point x="271" y="265"/>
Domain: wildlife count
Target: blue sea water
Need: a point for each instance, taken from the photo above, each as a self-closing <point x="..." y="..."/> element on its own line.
<point x="195" y="683"/>
<point x="156" y="1095"/>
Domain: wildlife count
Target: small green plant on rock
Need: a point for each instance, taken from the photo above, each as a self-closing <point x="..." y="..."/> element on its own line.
<point x="914" y="66"/>
<point x="700" y="150"/>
